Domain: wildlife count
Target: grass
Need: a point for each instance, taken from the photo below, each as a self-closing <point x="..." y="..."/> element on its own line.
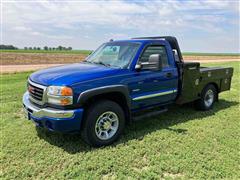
<point x="86" y="52"/>
<point x="182" y="143"/>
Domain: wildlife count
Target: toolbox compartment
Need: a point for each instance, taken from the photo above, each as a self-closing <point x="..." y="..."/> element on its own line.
<point x="195" y="78"/>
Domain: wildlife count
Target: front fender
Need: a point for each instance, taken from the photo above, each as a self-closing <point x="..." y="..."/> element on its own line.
<point x="84" y="96"/>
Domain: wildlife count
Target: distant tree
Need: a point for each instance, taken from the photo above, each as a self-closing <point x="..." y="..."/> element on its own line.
<point x="49" y="48"/>
<point x="69" y="48"/>
<point x="2" y="46"/>
<point x="25" y="48"/>
<point x="38" y="48"/>
<point x="30" y="48"/>
<point x="60" y="48"/>
<point x="53" y="48"/>
<point x="45" y="48"/>
<point x="11" y="47"/>
<point x="35" y="48"/>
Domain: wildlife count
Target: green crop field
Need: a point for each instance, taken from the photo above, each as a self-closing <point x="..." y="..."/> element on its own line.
<point x="181" y="143"/>
<point x="86" y="52"/>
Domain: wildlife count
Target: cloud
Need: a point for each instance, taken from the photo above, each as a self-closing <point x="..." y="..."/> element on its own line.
<point x="21" y="28"/>
<point x="59" y="21"/>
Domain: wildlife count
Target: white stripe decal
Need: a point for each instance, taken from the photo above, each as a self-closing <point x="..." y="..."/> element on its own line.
<point x="154" y="95"/>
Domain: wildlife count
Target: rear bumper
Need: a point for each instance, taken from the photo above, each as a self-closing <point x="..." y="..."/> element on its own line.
<point x="65" y="121"/>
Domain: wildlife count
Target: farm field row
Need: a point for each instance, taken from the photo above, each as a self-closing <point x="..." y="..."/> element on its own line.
<point x="89" y="51"/>
<point x="62" y="58"/>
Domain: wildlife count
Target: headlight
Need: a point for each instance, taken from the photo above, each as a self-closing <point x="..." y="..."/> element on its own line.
<point x="60" y="95"/>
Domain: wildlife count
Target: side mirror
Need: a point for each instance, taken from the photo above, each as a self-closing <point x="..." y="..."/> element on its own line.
<point x="154" y="62"/>
<point x="138" y="67"/>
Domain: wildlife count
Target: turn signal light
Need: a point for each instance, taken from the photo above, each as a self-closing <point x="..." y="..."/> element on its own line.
<point x="65" y="101"/>
<point x="66" y="91"/>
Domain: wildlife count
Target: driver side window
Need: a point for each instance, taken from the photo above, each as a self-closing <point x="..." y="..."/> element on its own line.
<point x="155" y="49"/>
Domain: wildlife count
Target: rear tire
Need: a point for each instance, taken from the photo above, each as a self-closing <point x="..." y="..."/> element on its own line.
<point x="104" y="122"/>
<point x="208" y="97"/>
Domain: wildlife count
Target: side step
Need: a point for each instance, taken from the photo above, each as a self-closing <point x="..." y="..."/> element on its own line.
<point x="148" y="114"/>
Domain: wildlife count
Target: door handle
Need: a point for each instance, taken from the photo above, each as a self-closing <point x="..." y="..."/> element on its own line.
<point x="168" y="75"/>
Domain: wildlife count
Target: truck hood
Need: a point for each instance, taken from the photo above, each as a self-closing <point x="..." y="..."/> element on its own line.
<point x="72" y="73"/>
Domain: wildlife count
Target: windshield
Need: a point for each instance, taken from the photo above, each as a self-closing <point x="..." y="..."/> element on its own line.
<point x="115" y="54"/>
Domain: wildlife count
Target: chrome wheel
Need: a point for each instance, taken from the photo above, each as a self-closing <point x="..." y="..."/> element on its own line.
<point x="209" y="98"/>
<point x="106" y="125"/>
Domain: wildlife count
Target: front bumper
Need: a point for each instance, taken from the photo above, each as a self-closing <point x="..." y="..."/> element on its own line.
<point x="65" y="121"/>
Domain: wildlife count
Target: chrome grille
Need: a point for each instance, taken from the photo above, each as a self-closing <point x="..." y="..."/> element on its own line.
<point x="36" y="92"/>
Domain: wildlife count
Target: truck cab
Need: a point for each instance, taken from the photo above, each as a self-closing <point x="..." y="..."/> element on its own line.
<point x="116" y="84"/>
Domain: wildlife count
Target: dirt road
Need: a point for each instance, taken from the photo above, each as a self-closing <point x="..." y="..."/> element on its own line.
<point x="23" y="68"/>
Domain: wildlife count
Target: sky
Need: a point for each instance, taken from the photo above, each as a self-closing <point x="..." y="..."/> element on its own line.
<point x="199" y="25"/>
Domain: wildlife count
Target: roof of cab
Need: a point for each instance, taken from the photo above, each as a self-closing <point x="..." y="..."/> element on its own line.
<point x="140" y="40"/>
<point x="167" y="39"/>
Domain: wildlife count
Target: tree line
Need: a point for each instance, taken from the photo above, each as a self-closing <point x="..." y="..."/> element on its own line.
<point x="46" y="48"/>
<point x="2" y="46"/>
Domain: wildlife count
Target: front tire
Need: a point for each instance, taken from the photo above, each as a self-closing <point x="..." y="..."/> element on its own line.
<point x="207" y="99"/>
<point x="104" y="122"/>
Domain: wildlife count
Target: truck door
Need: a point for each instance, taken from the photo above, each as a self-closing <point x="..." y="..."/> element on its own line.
<point x="155" y="87"/>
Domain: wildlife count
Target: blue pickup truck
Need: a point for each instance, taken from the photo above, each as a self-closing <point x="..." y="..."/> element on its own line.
<point x="118" y="83"/>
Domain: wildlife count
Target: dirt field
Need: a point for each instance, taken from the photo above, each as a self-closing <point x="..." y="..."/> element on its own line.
<point x="58" y="58"/>
<point x="19" y="62"/>
<point x="39" y="58"/>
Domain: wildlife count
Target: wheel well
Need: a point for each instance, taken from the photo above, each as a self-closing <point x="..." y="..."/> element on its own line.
<point x="211" y="83"/>
<point x="117" y="97"/>
<point x="218" y="90"/>
<point x="215" y="85"/>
